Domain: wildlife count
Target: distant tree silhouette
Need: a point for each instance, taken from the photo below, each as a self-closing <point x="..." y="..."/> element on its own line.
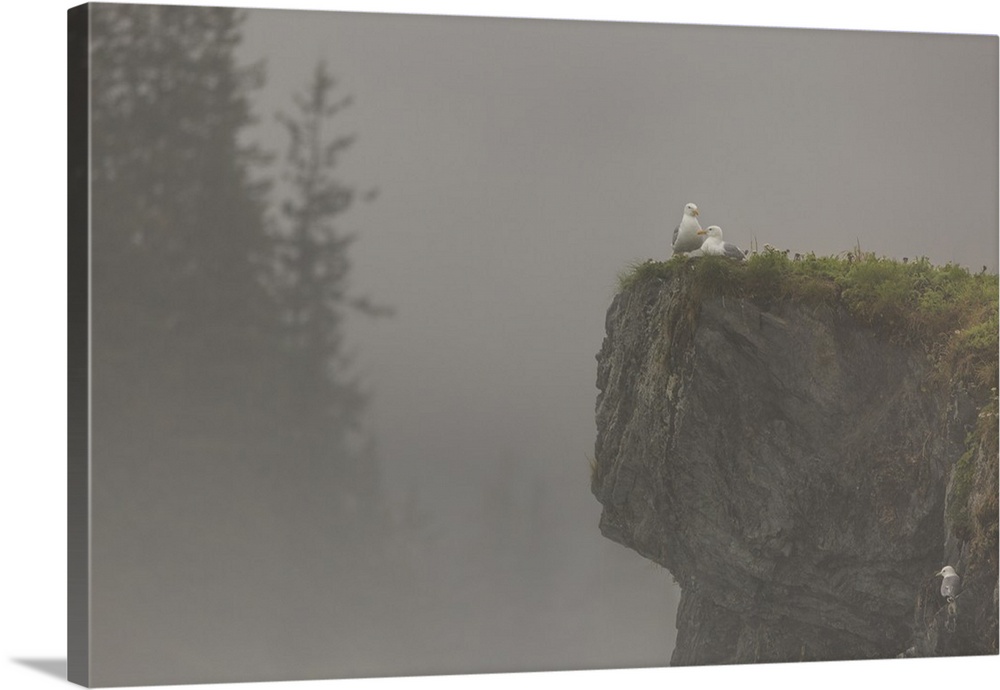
<point x="215" y="322"/>
<point x="309" y="282"/>
<point x="178" y="218"/>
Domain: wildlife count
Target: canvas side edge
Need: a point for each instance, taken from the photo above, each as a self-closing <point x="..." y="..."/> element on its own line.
<point x="78" y="345"/>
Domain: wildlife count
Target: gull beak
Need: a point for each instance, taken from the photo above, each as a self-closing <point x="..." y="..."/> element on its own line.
<point x="701" y="232"/>
<point x="695" y="212"/>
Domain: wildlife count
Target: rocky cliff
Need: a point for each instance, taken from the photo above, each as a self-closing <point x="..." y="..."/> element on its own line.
<point x="794" y="467"/>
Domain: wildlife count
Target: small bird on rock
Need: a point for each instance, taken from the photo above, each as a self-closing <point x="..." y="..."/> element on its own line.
<point x="950" y="582"/>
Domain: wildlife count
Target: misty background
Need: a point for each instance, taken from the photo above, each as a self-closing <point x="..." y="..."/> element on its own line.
<point x="378" y="464"/>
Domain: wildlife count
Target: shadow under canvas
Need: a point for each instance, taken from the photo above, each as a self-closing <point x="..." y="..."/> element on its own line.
<point x="51" y="667"/>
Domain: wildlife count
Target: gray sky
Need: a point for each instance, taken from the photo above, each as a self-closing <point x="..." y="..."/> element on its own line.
<point x="523" y="163"/>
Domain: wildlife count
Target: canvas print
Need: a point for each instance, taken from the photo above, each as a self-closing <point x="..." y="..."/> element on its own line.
<point x="337" y="283"/>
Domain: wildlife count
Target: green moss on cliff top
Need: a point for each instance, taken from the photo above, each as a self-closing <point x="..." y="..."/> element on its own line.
<point x="951" y="312"/>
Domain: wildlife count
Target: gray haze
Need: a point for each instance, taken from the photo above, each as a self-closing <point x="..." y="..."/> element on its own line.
<point x="521" y="165"/>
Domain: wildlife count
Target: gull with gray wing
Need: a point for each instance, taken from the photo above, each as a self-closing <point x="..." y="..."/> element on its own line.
<point x="715" y="246"/>
<point x="950" y="582"/>
<point x="686" y="234"/>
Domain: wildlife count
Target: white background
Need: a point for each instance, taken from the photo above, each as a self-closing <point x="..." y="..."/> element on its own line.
<point x="33" y="386"/>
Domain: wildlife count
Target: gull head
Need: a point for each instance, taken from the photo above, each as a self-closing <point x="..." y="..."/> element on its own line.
<point x="690" y="210"/>
<point x="945" y="571"/>
<point x="711" y="231"/>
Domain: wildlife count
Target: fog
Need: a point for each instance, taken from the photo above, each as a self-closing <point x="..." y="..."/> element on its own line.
<point x="520" y="165"/>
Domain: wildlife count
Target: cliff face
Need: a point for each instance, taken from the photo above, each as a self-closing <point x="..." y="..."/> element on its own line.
<point x="790" y="468"/>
